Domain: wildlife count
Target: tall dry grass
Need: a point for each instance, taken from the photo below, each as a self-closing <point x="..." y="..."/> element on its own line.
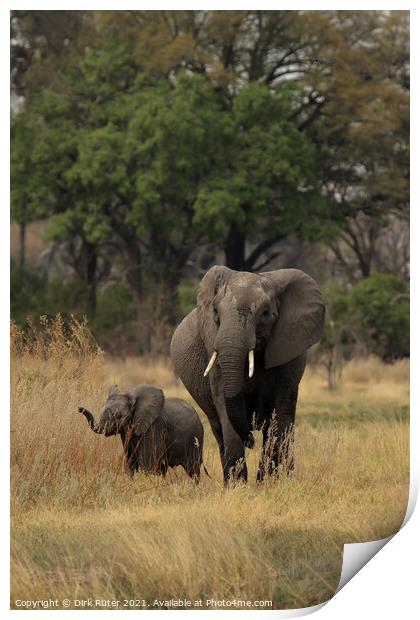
<point x="81" y="528"/>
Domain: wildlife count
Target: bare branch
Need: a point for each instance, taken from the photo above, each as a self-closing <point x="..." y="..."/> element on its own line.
<point x="260" y="249"/>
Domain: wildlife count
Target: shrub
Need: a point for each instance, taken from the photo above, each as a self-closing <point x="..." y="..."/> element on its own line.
<point x="34" y="295"/>
<point x="373" y="317"/>
<point x="381" y="304"/>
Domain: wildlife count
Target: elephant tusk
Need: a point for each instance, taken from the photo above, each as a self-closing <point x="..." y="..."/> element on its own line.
<point x="210" y="364"/>
<point x="251" y="363"/>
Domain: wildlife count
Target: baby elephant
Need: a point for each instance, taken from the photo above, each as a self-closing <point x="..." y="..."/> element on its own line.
<point x="156" y="433"/>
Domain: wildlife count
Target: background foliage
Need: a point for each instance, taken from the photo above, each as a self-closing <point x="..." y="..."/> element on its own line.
<point x="153" y="144"/>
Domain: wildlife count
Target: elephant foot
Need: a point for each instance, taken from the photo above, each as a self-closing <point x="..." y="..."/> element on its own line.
<point x="237" y="472"/>
<point x="273" y="471"/>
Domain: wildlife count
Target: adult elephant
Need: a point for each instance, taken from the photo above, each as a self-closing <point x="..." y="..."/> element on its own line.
<point x="241" y="355"/>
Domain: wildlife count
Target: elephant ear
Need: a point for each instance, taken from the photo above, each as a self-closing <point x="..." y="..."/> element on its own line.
<point x="301" y="316"/>
<point x="147" y="404"/>
<point x="213" y="280"/>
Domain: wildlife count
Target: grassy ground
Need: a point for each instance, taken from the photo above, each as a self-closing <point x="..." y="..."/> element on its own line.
<point x="82" y="529"/>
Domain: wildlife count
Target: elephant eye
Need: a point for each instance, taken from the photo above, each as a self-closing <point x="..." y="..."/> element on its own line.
<point x="216" y="315"/>
<point x="265" y="314"/>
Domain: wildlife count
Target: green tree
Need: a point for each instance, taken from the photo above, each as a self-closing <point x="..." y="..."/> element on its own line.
<point x="380" y="304"/>
<point x="152" y="132"/>
<point x="157" y="170"/>
<point x="28" y="193"/>
<point x="267" y="188"/>
<point x="42" y="44"/>
<point x="235" y="49"/>
<point x="372" y="317"/>
<point x="45" y="141"/>
<point x="140" y="165"/>
<point x="364" y="129"/>
<point x="351" y="69"/>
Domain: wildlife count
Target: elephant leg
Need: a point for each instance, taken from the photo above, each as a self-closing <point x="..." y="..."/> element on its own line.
<point x="131" y="460"/>
<point x="286" y="397"/>
<point x="233" y="459"/>
<point x="233" y="456"/>
<point x="234" y="465"/>
<point x="286" y="409"/>
<point x="268" y="449"/>
<point x="278" y="438"/>
<point x="286" y="443"/>
<point x="216" y="427"/>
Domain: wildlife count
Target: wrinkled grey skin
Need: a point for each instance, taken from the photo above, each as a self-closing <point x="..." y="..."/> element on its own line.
<point x="156" y="433"/>
<point x="279" y="315"/>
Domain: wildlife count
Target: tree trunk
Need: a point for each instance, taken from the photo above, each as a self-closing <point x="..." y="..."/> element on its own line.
<point x="91" y="269"/>
<point x="331" y="374"/>
<point x="365" y="267"/>
<point x="22" y="244"/>
<point x="133" y="271"/>
<point x="167" y="293"/>
<point x="235" y="247"/>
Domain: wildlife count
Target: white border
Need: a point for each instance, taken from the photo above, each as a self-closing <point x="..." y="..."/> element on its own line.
<point x="387" y="585"/>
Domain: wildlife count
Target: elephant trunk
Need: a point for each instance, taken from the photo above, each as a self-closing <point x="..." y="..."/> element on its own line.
<point x="91" y="420"/>
<point x="233" y="352"/>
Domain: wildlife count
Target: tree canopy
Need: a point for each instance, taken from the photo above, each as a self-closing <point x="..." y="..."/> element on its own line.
<point x="153" y="140"/>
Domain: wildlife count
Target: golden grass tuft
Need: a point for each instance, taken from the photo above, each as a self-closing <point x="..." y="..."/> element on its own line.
<point x="372" y="370"/>
<point x="81" y="528"/>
